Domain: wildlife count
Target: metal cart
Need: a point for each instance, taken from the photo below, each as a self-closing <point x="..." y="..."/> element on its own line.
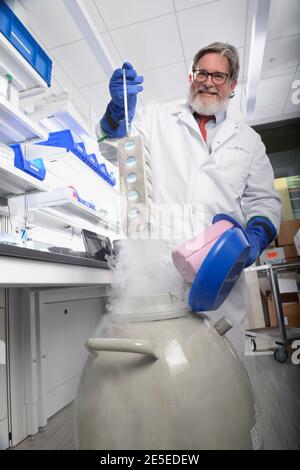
<point x="282" y="335"/>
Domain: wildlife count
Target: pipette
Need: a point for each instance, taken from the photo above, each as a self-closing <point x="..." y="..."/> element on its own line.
<point x="125" y="101"/>
<point x="135" y="205"/>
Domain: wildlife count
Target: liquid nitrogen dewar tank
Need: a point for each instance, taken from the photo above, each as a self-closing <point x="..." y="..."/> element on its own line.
<point x="161" y="377"/>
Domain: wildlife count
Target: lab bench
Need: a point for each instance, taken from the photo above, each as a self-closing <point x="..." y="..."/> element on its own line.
<point x="24" y="267"/>
<point x="49" y="305"/>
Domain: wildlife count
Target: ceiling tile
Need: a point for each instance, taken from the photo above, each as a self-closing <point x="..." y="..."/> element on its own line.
<point x="284" y="19"/>
<point x="67" y="84"/>
<point x="108" y="42"/>
<point x="120" y="13"/>
<point x="150" y="44"/>
<point x="184" y="4"/>
<point x="80" y="63"/>
<point x="273" y="91"/>
<point x="95" y="15"/>
<point x="165" y="83"/>
<point x="281" y="56"/>
<point x="98" y="96"/>
<point x="52" y="22"/>
<point x="218" y="21"/>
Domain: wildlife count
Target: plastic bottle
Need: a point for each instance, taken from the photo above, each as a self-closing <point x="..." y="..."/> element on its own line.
<point x="12" y="92"/>
<point x="9" y="78"/>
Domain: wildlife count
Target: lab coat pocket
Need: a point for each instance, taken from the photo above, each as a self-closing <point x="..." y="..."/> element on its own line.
<point x="233" y="164"/>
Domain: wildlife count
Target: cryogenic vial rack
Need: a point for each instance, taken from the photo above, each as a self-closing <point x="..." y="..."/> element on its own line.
<point x="135" y="186"/>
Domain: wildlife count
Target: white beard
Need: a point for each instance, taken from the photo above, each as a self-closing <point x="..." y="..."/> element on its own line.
<point x="206" y="109"/>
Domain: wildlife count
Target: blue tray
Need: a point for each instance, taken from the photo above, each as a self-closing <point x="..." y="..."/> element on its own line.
<point x="35" y="168"/>
<point x="64" y="139"/>
<point x="16" y="33"/>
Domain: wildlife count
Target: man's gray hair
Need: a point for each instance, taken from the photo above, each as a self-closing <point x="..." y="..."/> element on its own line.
<point x="225" y="50"/>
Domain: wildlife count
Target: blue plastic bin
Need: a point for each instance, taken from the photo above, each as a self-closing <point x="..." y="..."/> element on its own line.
<point x="35" y="168"/>
<point x="102" y="171"/>
<point x="92" y="161"/>
<point x="108" y="177"/>
<point x="112" y="179"/>
<point x="64" y="139"/>
<point x="12" y="28"/>
<point x="81" y="151"/>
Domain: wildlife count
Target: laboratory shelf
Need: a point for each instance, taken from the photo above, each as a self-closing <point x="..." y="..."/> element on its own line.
<point x="24" y="75"/>
<point x="15" y="126"/>
<point x="75" y="209"/>
<point x="59" y="161"/>
<point x="61" y="114"/>
<point x="59" y="220"/>
<point x="61" y="203"/>
<point x="15" y="182"/>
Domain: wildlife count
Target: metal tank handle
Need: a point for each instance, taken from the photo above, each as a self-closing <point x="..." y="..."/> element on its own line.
<point x="139" y="346"/>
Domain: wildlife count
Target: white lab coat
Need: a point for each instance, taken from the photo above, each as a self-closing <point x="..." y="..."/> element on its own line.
<point x="236" y="178"/>
<point x="192" y="185"/>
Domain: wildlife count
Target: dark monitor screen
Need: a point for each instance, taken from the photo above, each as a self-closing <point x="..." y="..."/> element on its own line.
<point x="96" y="245"/>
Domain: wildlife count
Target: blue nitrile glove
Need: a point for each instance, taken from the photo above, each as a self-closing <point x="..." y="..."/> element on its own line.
<point x="113" y="121"/>
<point x="260" y="232"/>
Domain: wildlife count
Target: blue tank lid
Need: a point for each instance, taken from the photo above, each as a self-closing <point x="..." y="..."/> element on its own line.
<point x="219" y="271"/>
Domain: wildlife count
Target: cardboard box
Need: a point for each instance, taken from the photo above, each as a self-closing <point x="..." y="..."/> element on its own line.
<point x="272" y="256"/>
<point x="291" y="254"/>
<point x="281" y="254"/>
<point x="291" y="309"/>
<point x="287" y="231"/>
<point x="287" y="283"/>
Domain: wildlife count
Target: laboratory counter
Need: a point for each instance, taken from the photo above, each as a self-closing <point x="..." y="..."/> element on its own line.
<point x="24" y="267"/>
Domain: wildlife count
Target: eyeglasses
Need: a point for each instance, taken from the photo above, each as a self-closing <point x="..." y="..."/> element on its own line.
<point x="218" y="78"/>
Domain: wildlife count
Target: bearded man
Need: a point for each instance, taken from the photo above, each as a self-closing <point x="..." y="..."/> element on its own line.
<point x="204" y="161"/>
